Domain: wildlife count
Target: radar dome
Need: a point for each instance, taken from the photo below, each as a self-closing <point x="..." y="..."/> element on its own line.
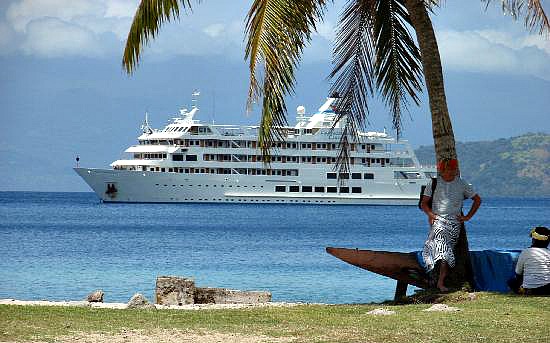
<point x="301" y="110"/>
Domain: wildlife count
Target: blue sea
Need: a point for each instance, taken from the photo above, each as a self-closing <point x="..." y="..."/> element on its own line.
<point x="61" y="246"/>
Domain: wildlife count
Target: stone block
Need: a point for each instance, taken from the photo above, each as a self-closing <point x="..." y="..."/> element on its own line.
<point x="138" y="301"/>
<point x="174" y="290"/>
<point x="95" y="296"/>
<point x="208" y="295"/>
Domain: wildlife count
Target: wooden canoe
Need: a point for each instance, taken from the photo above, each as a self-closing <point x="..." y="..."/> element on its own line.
<point x="402" y="267"/>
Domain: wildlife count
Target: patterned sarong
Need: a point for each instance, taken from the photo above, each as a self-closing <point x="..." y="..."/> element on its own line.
<point x="441" y="241"/>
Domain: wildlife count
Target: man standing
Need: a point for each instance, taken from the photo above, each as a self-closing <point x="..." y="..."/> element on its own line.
<point x="445" y="217"/>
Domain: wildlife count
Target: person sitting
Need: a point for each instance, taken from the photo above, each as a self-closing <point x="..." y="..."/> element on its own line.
<point x="533" y="266"/>
<point x="445" y="217"/>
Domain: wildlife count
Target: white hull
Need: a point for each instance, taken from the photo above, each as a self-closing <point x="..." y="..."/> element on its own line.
<point x="154" y="187"/>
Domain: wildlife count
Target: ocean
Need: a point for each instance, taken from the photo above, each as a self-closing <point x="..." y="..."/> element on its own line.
<point x="62" y="246"/>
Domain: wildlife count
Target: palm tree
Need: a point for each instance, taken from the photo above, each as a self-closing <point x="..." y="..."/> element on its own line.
<point x="374" y="51"/>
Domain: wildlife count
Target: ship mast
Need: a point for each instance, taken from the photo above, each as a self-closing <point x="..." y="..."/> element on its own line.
<point x="145" y="126"/>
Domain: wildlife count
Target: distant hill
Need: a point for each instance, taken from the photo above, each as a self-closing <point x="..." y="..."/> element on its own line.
<point x="517" y="166"/>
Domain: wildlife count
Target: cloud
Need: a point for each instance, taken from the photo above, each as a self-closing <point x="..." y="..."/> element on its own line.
<point x="52" y="37"/>
<point x="214" y="30"/>
<point x="495" y="52"/>
<point x="57" y="28"/>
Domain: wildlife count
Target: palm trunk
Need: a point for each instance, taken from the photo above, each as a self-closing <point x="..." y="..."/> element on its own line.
<point x="443" y="135"/>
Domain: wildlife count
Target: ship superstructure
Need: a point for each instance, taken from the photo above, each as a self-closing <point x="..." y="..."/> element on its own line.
<point x="194" y="161"/>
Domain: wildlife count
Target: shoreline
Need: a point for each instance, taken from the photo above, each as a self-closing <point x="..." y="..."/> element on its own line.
<point x="123" y="306"/>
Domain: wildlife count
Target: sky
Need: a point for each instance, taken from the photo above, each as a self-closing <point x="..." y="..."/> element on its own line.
<point x="63" y="91"/>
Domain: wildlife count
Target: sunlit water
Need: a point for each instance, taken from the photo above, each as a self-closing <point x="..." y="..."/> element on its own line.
<point x="61" y="246"/>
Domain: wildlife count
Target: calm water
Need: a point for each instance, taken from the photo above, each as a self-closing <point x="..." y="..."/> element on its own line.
<point x="60" y="246"/>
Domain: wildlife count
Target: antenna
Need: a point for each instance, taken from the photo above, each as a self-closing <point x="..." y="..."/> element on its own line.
<point x="145" y="126"/>
<point x="213" y="106"/>
<point x="195" y="98"/>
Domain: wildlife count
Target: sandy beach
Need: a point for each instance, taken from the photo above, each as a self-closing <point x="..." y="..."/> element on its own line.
<point x="121" y="306"/>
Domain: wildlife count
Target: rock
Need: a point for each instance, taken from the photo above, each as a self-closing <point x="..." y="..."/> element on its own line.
<point x="442" y="308"/>
<point x="208" y="295"/>
<point x="381" y="312"/>
<point x="138" y="301"/>
<point x="95" y="296"/>
<point x="174" y="290"/>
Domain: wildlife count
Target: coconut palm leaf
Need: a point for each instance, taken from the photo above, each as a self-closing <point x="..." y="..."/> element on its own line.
<point x="398" y="66"/>
<point x="149" y="17"/>
<point x="353" y="61"/>
<point x="353" y="72"/>
<point x="373" y="45"/>
<point x="277" y="32"/>
<point x="532" y="11"/>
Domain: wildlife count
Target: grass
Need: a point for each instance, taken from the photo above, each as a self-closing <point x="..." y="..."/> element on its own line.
<point x="488" y="318"/>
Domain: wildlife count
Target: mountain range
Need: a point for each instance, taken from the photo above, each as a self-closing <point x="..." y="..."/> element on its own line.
<point x="516" y="166"/>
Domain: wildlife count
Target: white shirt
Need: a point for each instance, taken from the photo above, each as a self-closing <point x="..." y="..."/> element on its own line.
<point x="534" y="265"/>
<point x="449" y="196"/>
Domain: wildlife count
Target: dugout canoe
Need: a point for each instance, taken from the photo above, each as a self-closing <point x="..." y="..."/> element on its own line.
<point x="403" y="267"/>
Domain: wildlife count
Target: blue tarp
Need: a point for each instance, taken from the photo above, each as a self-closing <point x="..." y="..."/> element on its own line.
<point x="491" y="268"/>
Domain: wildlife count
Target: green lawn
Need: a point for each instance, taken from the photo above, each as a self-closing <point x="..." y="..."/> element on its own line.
<point x="488" y="318"/>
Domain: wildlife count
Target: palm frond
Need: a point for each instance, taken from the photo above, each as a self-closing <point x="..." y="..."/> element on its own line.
<point x="353" y="61"/>
<point x="353" y="58"/>
<point x="374" y="48"/>
<point x="277" y="32"/>
<point x="532" y="11"/>
<point x="149" y="17"/>
<point x="398" y="65"/>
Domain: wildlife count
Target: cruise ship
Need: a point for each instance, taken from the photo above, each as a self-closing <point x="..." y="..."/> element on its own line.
<point x="191" y="161"/>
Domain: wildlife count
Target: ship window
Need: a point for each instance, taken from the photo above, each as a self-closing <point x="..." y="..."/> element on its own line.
<point x="368" y="176"/>
<point x="331" y="189"/>
<point x="356" y="176"/>
<point x="306" y="188"/>
<point x="344" y="189"/>
<point x="190" y="157"/>
<point x="177" y="157"/>
<point x="399" y="175"/>
<point x="170" y="170"/>
<point x="294" y="188"/>
<point x="280" y="188"/>
<point x="344" y="176"/>
<point x="319" y="189"/>
<point x="162" y="169"/>
<point x="331" y="175"/>
<point x="356" y="190"/>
